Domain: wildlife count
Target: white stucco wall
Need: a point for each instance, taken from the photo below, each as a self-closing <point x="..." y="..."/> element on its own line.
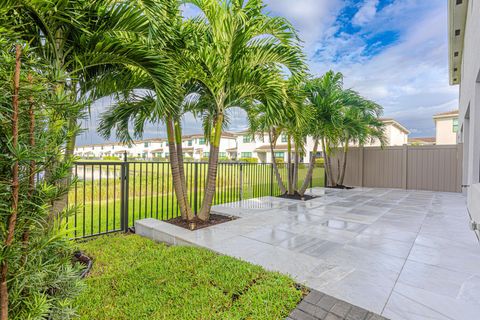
<point x="469" y="119"/>
<point x="469" y="115"/>
<point x="444" y="133"/>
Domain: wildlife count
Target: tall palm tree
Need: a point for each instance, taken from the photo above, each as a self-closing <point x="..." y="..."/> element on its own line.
<point x="325" y="98"/>
<point x="360" y="125"/>
<point x="237" y="50"/>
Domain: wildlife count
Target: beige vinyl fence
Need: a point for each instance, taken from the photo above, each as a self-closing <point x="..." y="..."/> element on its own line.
<point x="435" y="168"/>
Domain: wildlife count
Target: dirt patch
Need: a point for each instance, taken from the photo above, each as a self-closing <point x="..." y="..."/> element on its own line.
<point x="199" y="224"/>
<point x="296" y="196"/>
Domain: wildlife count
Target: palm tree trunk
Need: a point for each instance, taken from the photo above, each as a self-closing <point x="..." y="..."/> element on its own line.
<point x="178" y="142"/>
<point x="289" y="165"/>
<point x="308" y="177"/>
<point x="328" y="166"/>
<point x="295" y="169"/>
<point x="280" y="183"/>
<point x="204" y="213"/>
<point x="344" y="165"/>
<point x="12" y="220"/>
<point x="176" y="177"/>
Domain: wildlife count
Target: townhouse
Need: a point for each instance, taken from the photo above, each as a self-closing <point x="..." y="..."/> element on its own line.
<point x="233" y="146"/>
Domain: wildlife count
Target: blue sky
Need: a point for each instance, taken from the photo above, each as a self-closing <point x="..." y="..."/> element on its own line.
<point x="391" y="51"/>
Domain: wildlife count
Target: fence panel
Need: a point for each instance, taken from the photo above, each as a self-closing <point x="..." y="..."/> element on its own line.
<point x="435" y="168"/>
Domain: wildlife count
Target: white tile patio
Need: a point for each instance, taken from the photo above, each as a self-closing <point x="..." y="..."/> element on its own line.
<point x="402" y="254"/>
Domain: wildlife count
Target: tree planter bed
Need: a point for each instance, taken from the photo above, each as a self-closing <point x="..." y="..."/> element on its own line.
<point x="296" y="196"/>
<point x="197" y="224"/>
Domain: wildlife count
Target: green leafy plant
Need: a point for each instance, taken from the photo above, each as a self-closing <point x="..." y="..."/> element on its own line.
<point x="38" y="280"/>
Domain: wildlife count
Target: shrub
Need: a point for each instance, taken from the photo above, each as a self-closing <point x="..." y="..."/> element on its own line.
<point x="111" y="158"/>
<point x="320" y="162"/>
<point x="248" y="160"/>
<point x="41" y="280"/>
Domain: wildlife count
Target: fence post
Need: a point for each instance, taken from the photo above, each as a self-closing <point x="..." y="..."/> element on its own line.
<point x="195" y="187"/>
<point x="124" y="173"/>
<point x="271" y="178"/>
<point x="241" y="182"/>
<point x="405" y="169"/>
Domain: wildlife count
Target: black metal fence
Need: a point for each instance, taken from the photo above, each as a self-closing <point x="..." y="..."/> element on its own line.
<point x="110" y="196"/>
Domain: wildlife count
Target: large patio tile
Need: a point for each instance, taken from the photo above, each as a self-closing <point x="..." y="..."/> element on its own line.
<point x="363" y="289"/>
<point x="331" y="234"/>
<point x="444" y="305"/>
<point x="354" y="258"/>
<point x="400" y="307"/>
<point x="296" y="264"/>
<point x="388" y="232"/>
<point x="270" y="235"/>
<point x="454" y="258"/>
<point x="240" y="247"/>
<point x="453" y="284"/>
<point x="383" y="245"/>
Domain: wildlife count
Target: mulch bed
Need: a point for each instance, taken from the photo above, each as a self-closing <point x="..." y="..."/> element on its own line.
<point x="296" y="196"/>
<point x="340" y="187"/>
<point x="197" y="224"/>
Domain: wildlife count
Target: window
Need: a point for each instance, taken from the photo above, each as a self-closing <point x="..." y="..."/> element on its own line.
<point x="279" y="155"/>
<point x="455" y="125"/>
<point x="247" y="139"/>
<point x="246" y="154"/>
<point x="190" y="142"/>
<point x="284" y="138"/>
<point x="222" y="154"/>
<point x="206" y="154"/>
<point x="201" y="141"/>
<point x="113" y="147"/>
<point x="167" y="154"/>
<point x="146" y="144"/>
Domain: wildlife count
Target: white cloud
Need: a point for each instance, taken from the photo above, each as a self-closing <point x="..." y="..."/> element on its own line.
<point x="366" y="12"/>
<point x="312" y="18"/>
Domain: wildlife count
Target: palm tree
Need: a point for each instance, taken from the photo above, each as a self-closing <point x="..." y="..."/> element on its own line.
<point x="340" y="117"/>
<point x="325" y="98"/>
<point x="360" y="125"/>
<point x="80" y="39"/>
<point x="289" y="120"/>
<point x="236" y="52"/>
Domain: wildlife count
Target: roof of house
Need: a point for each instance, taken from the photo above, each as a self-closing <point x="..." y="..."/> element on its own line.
<point x="447" y="114"/>
<point x="395" y="123"/>
<point x="430" y="140"/>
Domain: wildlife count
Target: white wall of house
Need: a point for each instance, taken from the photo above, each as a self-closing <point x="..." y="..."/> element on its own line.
<point x="395" y="134"/>
<point x="446" y="129"/>
<point x="464" y="57"/>
<point x="196" y="146"/>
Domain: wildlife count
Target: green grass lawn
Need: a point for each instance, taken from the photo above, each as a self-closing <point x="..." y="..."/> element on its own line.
<point x="136" y="278"/>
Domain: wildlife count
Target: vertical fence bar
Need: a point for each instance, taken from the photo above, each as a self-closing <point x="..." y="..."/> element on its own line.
<point x="195" y="187"/>
<point x="271" y="178"/>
